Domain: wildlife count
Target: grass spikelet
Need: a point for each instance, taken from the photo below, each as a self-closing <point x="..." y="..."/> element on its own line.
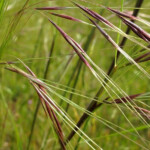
<point x="52" y="115"/>
<point x="137" y="30"/>
<point x="143" y="112"/>
<point x="126" y="99"/>
<point x="127" y="15"/>
<point x="51" y="8"/>
<point x="46" y="102"/>
<point x="67" y="17"/>
<point x="74" y="44"/>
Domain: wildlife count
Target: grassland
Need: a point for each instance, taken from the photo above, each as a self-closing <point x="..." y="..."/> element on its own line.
<point x="104" y="83"/>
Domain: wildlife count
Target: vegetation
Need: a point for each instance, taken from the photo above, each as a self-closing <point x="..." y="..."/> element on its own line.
<point x="74" y="74"/>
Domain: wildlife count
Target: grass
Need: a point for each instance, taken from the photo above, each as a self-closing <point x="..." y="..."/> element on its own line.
<point x="72" y="77"/>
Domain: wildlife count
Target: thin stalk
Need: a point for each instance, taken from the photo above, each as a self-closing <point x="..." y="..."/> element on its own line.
<point x="118" y="35"/>
<point x="93" y="104"/>
<point x="123" y="42"/>
<point x="17" y="135"/>
<point x="69" y="81"/>
<point x="37" y="42"/>
<point x="74" y="85"/>
<point x="45" y="140"/>
<point x="2" y="9"/>
<point x="79" y="139"/>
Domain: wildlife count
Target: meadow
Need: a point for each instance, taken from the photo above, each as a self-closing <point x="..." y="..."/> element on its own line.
<point x="74" y="75"/>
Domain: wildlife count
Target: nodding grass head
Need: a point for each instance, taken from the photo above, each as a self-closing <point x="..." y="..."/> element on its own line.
<point x="48" y="104"/>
